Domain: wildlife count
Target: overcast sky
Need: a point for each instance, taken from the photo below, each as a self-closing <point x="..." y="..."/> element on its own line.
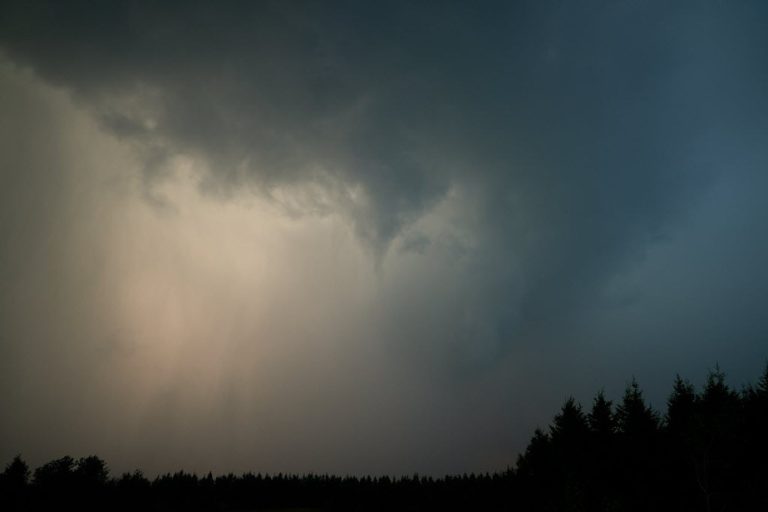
<point x="360" y="237"/>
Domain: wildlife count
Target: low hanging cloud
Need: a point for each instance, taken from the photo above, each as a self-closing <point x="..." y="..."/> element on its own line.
<point x="526" y="179"/>
<point x="571" y="127"/>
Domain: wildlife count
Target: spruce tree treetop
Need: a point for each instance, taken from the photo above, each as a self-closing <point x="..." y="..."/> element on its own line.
<point x="681" y="406"/>
<point x="633" y="416"/>
<point x="600" y="418"/>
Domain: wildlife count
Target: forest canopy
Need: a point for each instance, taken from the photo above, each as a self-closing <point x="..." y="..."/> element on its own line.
<point x="707" y="451"/>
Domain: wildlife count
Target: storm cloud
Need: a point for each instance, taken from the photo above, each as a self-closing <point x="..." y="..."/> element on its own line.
<point x="471" y="200"/>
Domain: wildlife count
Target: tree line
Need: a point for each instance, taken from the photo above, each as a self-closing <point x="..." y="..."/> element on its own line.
<point x="708" y="451"/>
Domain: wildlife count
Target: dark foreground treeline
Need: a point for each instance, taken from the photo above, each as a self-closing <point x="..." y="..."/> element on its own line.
<point x="708" y="452"/>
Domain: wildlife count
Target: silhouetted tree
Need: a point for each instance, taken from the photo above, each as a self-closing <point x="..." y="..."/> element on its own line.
<point x="132" y="491"/>
<point x="55" y="474"/>
<point x="755" y="458"/>
<point x="601" y="421"/>
<point x="637" y="447"/>
<point x="91" y="471"/>
<point x="635" y="420"/>
<point x="679" y="441"/>
<point x="681" y="410"/>
<point x="601" y="461"/>
<point x="13" y="484"/>
<point x="716" y="441"/>
<point x="534" y="470"/>
<point x="568" y="435"/>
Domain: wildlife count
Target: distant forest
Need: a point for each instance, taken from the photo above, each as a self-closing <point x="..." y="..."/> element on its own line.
<point x="708" y="452"/>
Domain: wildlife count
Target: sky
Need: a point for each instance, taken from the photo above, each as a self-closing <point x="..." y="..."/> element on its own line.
<point x="369" y="238"/>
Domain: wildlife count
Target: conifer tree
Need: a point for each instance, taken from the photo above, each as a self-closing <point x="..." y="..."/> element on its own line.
<point x="600" y="418"/>
<point x="13" y="484"/>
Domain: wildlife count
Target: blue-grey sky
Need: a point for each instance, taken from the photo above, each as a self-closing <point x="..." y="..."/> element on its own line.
<point x="357" y="238"/>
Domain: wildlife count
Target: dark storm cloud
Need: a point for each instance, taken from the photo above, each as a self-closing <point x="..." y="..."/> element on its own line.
<point x="582" y="128"/>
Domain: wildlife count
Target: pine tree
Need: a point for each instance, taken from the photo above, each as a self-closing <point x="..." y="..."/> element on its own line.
<point x="680" y="431"/>
<point x="681" y="409"/>
<point x="717" y="444"/>
<point x="569" y="424"/>
<point x="637" y="449"/>
<point x="755" y="456"/>
<point x="600" y="419"/>
<point x="601" y="463"/>
<point x="634" y="418"/>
